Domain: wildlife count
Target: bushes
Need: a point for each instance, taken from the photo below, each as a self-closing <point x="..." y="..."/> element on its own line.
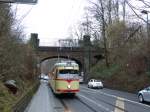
<point x="129" y="58"/>
<point x="17" y="59"/>
<point x="101" y="71"/>
<point x="8" y="101"/>
<point x="121" y="77"/>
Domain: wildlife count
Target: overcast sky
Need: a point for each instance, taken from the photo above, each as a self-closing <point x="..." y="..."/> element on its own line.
<point x="51" y="19"/>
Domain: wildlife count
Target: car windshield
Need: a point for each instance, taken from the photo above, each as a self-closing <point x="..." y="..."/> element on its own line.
<point x="148" y="88"/>
<point x="97" y="81"/>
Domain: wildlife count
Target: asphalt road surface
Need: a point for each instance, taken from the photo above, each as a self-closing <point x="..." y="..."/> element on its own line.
<point x="87" y="100"/>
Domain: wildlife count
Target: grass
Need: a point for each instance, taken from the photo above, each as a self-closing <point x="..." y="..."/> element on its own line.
<point x="8" y="100"/>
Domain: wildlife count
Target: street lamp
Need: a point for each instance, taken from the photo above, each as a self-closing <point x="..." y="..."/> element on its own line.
<point x="19" y="1"/>
<point x="146" y="12"/>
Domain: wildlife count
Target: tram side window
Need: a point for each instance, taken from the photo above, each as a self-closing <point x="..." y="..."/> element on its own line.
<point x="56" y="73"/>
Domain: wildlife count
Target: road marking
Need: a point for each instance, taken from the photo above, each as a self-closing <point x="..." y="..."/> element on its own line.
<point x="113" y="96"/>
<point x="99" y="105"/>
<point x="120" y="104"/>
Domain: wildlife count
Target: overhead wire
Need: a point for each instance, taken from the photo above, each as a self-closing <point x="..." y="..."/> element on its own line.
<point x="70" y="15"/>
<point x="73" y="13"/>
<point x="24" y="16"/>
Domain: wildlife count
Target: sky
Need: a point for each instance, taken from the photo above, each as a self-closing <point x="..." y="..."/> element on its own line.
<point x="51" y="19"/>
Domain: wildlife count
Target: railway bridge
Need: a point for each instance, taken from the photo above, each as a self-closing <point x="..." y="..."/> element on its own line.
<point x="81" y="55"/>
<point x="86" y="56"/>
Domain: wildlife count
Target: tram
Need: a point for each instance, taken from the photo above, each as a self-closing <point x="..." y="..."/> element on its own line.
<point x="64" y="78"/>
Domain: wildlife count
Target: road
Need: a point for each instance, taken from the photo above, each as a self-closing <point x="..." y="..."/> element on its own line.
<point x="87" y="100"/>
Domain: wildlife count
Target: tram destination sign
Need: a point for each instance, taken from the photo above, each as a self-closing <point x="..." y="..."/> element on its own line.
<point x="19" y="1"/>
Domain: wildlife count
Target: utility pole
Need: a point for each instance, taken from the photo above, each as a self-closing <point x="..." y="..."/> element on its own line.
<point x="124" y="10"/>
<point x="148" y="38"/>
<point x="104" y="35"/>
<point x="146" y="12"/>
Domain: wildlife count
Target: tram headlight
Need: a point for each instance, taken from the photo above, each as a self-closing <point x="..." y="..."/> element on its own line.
<point x="68" y="86"/>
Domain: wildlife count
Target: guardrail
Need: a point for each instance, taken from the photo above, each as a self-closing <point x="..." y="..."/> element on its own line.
<point x="21" y="105"/>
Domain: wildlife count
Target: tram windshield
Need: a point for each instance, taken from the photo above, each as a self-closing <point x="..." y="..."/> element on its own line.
<point x="68" y="74"/>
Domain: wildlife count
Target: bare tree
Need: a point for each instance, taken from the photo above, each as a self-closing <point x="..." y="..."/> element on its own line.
<point x="116" y="9"/>
<point x="13" y="51"/>
<point x="104" y="33"/>
<point x="124" y="9"/>
<point x="99" y="11"/>
<point x="109" y="11"/>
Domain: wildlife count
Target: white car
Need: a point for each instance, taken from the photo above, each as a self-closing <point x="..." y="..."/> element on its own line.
<point x="44" y="77"/>
<point x="93" y="83"/>
<point x="80" y="79"/>
<point x="144" y="95"/>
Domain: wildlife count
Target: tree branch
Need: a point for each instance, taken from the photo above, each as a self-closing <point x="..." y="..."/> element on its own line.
<point x="135" y="12"/>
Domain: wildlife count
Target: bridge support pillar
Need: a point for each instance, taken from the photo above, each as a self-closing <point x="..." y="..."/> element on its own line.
<point x="87" y="57"/>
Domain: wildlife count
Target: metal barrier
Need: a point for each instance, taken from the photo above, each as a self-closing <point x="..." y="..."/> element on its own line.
<point x="21" y="105"/>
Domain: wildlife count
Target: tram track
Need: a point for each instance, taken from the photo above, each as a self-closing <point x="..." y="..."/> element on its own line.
<point x="84" y="101"/>
<point x="67" y="108"/>
<point x="87" y="103"/>
<point x="89" y="106"/>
